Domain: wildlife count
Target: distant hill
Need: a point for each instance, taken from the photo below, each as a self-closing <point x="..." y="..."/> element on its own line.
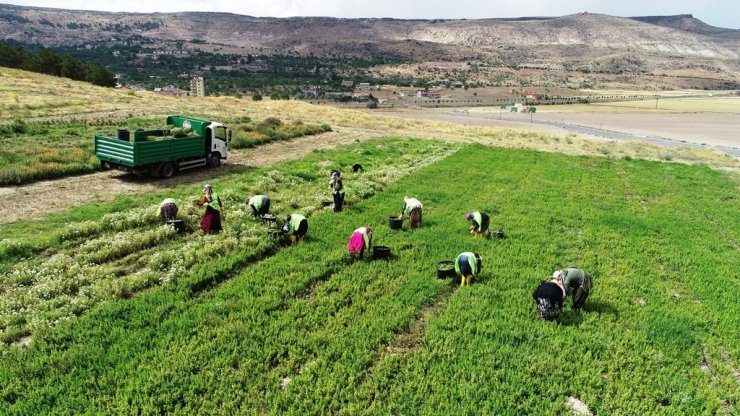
<point x="685" y="22"/>
<point x="581" y="49"/>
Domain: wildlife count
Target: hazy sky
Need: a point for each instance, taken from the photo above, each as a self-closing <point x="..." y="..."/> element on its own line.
<point x="722" y="13"/>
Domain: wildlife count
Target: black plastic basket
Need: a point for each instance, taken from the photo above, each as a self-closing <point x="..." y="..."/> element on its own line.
<point x="395" y="223"/>
<point x="446" y="269"/>
<point x="178" y="225"/>
<point x="381" y="252"/>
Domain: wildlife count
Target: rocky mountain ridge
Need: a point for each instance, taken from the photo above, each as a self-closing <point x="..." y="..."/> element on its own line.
<point x="592" y="43"/>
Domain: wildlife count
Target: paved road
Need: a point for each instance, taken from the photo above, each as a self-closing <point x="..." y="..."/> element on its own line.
<point x="615" y="135"/>
<point x="470" y="118"/>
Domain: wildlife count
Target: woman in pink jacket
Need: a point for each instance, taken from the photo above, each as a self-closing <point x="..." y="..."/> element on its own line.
<point x="361" y="239"/>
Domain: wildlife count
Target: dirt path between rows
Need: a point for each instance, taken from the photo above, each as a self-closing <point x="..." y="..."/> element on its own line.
<point x="41" y="198"/>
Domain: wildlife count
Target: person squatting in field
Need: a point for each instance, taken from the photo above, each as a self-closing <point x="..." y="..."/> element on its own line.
<point x="549" y="297"/>
<point x="361" y="239"/>
<point x="337" y="187"/>
<point x="481" y="221"/>
<point x="297" y="226"/>
<point x="414" y="207"/>
<point x="577" y="279"/>
<point x="260" y="205"/>
<point x="211" y="221"/>
<point x="467" y="266"/>
<point x="167" y="210"/>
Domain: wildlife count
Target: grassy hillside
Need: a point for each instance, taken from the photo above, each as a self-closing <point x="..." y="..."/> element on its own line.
<point x="306" y="332"/>
<point x="49" y="123"/>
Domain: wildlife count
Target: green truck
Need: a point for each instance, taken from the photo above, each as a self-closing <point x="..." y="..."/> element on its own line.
<point x="188" y="143"/>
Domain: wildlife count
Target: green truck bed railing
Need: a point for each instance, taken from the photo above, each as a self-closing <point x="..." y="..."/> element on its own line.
<point x="139" y="152"/>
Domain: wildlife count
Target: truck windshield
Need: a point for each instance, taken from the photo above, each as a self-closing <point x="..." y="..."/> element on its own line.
<point x="220" y="133"/>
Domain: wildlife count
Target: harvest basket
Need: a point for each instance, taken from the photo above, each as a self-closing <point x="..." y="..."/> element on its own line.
<point x="445" y="269"/>
<point x="395" y="223"/>
<point x="178" y="225"/>
<point x="269" y="219"/>
<point x="381" y="252"/>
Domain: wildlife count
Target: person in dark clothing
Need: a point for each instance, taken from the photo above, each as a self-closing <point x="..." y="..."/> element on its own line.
<point x="579" y="281"/>
<point x="549" y="297"/>
<point x="260" y="204"/>
<point x="297" y="226"/>
<point x="168" y="210"/>
<point x="337" y="187"/>
<point x="480" y="221"/>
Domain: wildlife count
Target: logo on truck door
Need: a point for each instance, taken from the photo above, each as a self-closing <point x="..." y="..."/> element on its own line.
<point x="186" y="126"/>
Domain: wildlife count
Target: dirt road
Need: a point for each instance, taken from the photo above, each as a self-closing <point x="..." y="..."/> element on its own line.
<point x="41" y="198"/>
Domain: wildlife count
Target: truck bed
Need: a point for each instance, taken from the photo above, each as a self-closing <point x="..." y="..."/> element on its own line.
<point x="139" y="153"/>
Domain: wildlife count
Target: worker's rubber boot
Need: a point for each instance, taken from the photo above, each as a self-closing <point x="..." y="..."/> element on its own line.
<point x="293" y="239"/>
<point x="462" y="281"/>
<point x="468" y="280"/>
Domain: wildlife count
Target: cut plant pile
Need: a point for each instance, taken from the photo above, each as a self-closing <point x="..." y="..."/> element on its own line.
<point x="121" y="253"/>
<point x="306" y="332"/>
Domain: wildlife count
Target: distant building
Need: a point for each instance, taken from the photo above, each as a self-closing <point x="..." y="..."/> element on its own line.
<point x="427" y="94"/>
<point x="348" y="83"/>
<point x="197" y="87"/>
<point x="171" y="90"/>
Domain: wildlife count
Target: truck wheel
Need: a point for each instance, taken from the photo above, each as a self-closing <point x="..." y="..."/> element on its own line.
<point x="167" y="170"/>
<point x="214" y="160"/>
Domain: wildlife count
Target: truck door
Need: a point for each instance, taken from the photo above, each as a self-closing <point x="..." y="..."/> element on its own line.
<point x="209" y="140"/>
<point x="220" y="140"/>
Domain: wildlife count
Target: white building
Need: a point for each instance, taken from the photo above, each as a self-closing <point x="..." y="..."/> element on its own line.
<point x="197" y="87"/>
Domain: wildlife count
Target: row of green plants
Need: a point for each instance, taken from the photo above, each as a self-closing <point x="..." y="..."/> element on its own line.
<point x="124" y="252"/>
<point x="309" y="332"/>
<point x="31" y="151"/>
<point x="248" y="134"/>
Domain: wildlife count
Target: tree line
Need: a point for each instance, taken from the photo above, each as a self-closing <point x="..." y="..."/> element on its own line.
<point x="47" y="62"/>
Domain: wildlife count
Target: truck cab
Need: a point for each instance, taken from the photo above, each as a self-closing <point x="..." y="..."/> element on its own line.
<point x="218" y="137"/>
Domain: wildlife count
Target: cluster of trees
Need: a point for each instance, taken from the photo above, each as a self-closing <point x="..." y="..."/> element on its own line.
<point x="47" y="62"/>
<point x="281" y="76"/>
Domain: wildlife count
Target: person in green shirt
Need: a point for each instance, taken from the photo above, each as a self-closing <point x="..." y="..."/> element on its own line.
<point x="467" y="266"/>
<point x="577" y="280"/>
<point x="297" y="226"/>
<point x="260" y="204"/>
<point x="481" y="221"/>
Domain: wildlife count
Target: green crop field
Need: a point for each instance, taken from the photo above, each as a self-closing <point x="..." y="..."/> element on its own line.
<point x="238" y="324"/>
